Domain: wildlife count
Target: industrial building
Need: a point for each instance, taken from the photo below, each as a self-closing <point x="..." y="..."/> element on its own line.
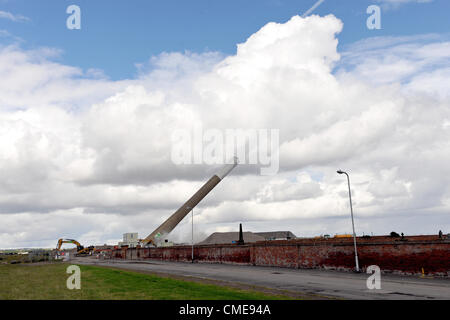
<point x="277" y="235"/>
<point x="230" y="237"/>
<point x="249" y="237"/>
<point x="130" y="239"/>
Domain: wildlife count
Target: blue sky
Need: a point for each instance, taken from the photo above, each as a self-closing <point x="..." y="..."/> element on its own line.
<point x="116" y="35"/>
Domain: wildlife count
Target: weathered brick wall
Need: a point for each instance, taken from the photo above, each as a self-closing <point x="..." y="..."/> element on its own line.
<point x="212" y="254"/>
<point x="406" y="257"/>
<point x="235" y="254"/>
<point x="276" y="255"/>
<point x="391" y="255"/>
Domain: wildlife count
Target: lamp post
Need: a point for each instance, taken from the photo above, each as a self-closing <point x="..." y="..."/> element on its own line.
<point x="353" y="223"/>
<point x="192" y="234"/>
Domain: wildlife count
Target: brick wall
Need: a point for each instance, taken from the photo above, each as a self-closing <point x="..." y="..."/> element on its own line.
<point x="409" y="255"/>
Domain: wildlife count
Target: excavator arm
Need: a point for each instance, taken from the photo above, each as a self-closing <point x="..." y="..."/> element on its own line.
<point x="80" y="248"/>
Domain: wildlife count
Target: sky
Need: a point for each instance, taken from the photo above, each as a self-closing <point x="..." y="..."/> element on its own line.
<point x="87" y="116"/>
<point x="117" y="35"/>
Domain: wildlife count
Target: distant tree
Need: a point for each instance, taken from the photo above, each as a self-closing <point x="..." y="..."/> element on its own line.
<point x="395" y="234"/>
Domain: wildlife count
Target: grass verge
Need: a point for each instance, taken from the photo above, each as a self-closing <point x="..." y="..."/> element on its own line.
<point x="48" y="282"/>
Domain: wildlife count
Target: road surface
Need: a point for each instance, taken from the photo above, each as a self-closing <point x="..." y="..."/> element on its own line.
<point x="333" y="284"/>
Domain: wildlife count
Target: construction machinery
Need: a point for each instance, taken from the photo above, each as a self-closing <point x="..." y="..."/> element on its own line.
<point x="342" y="236"/>
<point x="156" y="238"/>
<point x="81" y="250"/>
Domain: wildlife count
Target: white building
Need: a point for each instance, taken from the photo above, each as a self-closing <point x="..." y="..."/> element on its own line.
<point x="130" y="239"/>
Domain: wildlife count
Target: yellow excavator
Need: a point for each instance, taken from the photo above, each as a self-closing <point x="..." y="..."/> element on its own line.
<point x="81" y="251"/>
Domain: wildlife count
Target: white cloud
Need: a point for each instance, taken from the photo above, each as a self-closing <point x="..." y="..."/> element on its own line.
<point x="404" y="1"/>
<point x="13" y="17"/>
<point x="393" y="4"/>
<point x="387" y="60"/>
<point x="89" y="158"/>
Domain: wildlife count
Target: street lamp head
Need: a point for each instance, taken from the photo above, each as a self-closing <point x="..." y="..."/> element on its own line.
<point x="340" y="172"/>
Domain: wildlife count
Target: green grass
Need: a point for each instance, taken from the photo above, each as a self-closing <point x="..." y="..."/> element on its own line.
<point x="48" y="282"/>
<point x="19" y="258"/>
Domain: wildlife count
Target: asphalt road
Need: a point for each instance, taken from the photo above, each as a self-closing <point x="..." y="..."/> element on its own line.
<point x="317" y="282"/>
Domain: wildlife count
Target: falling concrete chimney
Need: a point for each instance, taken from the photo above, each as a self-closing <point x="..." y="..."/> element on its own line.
<point x="157" y="236"/>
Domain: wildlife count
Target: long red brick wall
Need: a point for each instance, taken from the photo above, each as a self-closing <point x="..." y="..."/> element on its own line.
<point x="408" y="256"/>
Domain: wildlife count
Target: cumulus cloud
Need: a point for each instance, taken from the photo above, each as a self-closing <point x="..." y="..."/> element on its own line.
<point x="89" y="158"/>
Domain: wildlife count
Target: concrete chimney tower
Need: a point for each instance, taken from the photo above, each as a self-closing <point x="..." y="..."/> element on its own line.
<point x="156" y="236"/>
